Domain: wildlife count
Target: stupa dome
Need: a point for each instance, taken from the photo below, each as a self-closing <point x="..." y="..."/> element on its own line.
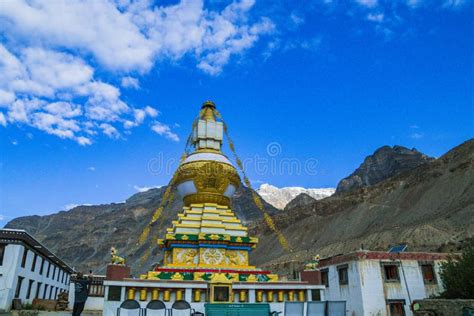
<point x="207" y="175"/>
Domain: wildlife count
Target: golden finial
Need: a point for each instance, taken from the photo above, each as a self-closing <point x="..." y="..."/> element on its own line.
<point x="207" y="111"/>
<point x="208" y="103"/>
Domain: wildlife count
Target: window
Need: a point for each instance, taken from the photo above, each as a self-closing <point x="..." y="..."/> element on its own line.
<point x="49" y="268"/>
<point x="62" y="278"/>
<point x="325" y="277"/>
<point x="18" y="287"/>
<point x="54" y="272"/>
<point x="315" y="295"/>
<point x="30" y="285"/>
<point x="50" y="292"/>
<point x="55" y="293"/>
<point x="59" y="274"/>
<point x="2" y="253"/>
<point x="428" y="273"/>
<point x="342" y="273"/>
<point x="396" y="308"/>
<point x="42" y="266"/>
<point x="33" y="264"/>
<point x="38" y="288"/>
<point x="391" y="273"/>
<point x="115" y="293"/>
<point x="23" y="260"/>
<point x="221" y="293"/>
<point x="45" y="291"/>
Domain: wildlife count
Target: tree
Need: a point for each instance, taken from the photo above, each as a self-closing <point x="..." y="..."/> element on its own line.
<point x="457" y="275"/>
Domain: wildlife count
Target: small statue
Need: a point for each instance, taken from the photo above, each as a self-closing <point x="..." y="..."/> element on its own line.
<point x="234" y="259"/>
<point x="313" y="264"/>
<point x="114" y="258"/>
<point x="189" y="256"/>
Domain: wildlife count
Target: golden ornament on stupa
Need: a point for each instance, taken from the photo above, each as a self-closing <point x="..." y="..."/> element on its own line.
<point x="207" y="175"/>
<point x="207" y="241"/>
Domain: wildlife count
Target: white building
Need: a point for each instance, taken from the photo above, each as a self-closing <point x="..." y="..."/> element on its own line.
<point x="381" y="283"/>
<point x="28" y="270"/>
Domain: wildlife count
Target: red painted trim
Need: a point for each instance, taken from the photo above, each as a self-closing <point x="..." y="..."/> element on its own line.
<point x="380" y="255"/>
<point x="210" y="271"/>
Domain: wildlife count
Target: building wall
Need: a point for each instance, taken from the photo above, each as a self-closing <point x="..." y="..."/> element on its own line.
<point x="368" y="293"/>
<point x="93" y="303"/>
<point x="372" y="288"/>
<point x="8" y="273"/>
<point x="351" y="293"/>
<point x="11" y="270"/>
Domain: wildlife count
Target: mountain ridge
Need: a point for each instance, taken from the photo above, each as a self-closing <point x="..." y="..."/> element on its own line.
<point x="431" y="207"/>
<point x="83" y="235"/>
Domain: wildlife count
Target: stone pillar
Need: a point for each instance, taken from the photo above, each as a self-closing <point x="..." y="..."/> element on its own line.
<point x="117" y="272"/>
<point x="312" y="277"/>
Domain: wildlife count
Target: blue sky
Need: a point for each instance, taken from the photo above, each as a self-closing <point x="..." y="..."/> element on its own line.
<point x="95" y="97"/>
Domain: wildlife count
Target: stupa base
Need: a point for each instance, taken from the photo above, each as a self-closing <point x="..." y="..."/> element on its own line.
<point x="200" y="294"/>
<point x="215" y="275"/>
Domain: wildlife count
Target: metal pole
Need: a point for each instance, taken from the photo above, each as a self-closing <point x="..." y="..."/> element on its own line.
<point x="406" y="284"/>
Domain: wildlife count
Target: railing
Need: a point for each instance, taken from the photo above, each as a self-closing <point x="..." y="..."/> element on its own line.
<point x="96" y="287"/>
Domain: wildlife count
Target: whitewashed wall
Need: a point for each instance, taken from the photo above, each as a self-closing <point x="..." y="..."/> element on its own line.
<point x="351" y="293"/>
<point x="367" y="292"/>
<point x="93" y="303"/>
<point x="11" y="269"/>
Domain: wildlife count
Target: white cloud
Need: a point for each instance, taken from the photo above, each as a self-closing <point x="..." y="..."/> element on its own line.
<point x="455" y="4"/>
<point x="145" y="188"/>
<point x="367" y="3"/>
<point x="53" y="54"/>
<point x="296" y="19"/>
<point x="3" y="120"/>
<point x="70" y="206"/>
<point x="91" y="168"/>
<point x="130" y="82"/>
<point x="109" y="130"/>
<point x="311" y="44"/>
<point x="83" y="141"/>
<point x="417" y="135"/>
<point x="140" y="115"/>
<point x="375" y="17"/>
<point x="41" y="86"/>
<point x="164" y="130"/>
<point x="152" y="112"/>
<point x="94" y="26"/>
<point x="132" y="37"/>
<point x="414" y="3"/>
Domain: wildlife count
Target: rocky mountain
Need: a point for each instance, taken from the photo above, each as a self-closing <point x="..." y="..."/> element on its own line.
<point x="279" y="197"/>
<point x="301" y="200"/>
<point x="384" y="163"/>
<point x="84" y="235"/>
<point x="430" y="208"/>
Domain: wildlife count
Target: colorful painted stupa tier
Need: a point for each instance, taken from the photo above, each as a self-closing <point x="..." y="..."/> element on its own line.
<point x="207" y="241"/>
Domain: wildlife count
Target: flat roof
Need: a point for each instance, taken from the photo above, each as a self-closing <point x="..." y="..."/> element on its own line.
<point x="15" y="236"/>
<point x="382" y="255"/>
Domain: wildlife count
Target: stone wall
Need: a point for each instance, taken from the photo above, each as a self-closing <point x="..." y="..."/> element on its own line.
<point x="439" y="307"/>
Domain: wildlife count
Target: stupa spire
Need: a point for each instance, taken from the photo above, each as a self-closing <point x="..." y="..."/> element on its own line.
<point x="208" y="133"/>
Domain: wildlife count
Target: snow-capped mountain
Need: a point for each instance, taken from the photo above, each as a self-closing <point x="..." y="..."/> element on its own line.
<point x="280" y="197"/>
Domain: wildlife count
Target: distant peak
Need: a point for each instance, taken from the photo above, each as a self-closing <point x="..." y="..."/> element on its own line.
<point x="384" y="163"/>
<point x="280" y="197"/>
